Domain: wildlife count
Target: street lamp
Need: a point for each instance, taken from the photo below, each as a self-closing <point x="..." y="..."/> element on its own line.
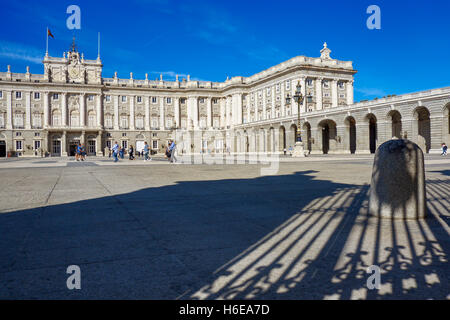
<point x="298" y="98"/>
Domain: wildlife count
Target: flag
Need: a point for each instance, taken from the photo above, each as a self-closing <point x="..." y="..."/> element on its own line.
<point x="49" y="33"/>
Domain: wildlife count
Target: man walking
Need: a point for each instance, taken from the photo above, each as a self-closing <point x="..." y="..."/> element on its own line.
<point x="172" y="151"/>
<point x="146" y="151"/>
<point x="115" y="150"/>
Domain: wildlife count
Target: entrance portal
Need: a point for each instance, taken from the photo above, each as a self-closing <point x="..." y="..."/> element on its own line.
<point x="2" y="149"/>
<point x="73" y="147"/>
<point x="56" y="148"/>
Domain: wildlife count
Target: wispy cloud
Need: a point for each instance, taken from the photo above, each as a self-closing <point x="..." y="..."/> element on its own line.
<point x="371" y="92"/>
<point x="17" y="51"/>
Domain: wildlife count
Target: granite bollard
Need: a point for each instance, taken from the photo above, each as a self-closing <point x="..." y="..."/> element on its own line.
<point x="397" y="189"/>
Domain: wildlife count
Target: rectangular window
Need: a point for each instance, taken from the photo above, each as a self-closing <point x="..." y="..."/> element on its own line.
<point x="124" y="144"/>
<point x="1" y="94"/>
<point x="55" y="96"/>
<point x="37" y="144"/>
<point x="37" y="134"/>
<point x="90" y="97"/>
<point x="91" y="120"/>
<point x="202" y="100"/>
<point x="169" y="100"/>
<point x="37" y="121"/>
<point x="108" y="121"/>
<point x="124" y="98"/>
<point x="140" y="123"/>
<point x="37" y="96"/>
<point x="18" y="120"/>
<point x="108" y="143"/>
<point x="154" y="100"/>
<point x="56" y="120"/>
<point x="124" y="122"/>
<point x="139" y="99"/>
<point x="309" y="82"/>
<point x="107" y="98"/>
<point x="18" y="95"/>
<point x="18" y="145"/>
<point x="155" y="144"/>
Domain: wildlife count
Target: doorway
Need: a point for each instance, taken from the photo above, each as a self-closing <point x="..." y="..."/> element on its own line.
<point x="56" y="148"/>
<point x="73" y="147"/>
<point x="2" y="149"/>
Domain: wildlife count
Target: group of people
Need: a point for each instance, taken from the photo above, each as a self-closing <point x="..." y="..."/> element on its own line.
<point x="117" y="151"/>
<point x="80" y="152"/>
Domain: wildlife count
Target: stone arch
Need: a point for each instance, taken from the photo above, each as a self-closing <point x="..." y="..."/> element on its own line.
<point x="282" y="138"/>
<point x="306" y="128"/>
<point x="371" y="120"/>
<point x="327" y="129"/>
<point x="446" y="123"/>
<point x="395" y="118"/>
<point x="422" y="128"/>
<point x="350" y="131"/>
<point x="292" y="135"/>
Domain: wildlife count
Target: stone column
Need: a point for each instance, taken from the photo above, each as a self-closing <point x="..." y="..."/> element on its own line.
<point x="283" y="100"/>
<point x="147" y="113"/>
<point x="195" y="112"/>
<point x="273" y="103"/>
<point x="132" y="97"/>
<point x="222" y="102"/>
<point x="99" y="112"/>
<point x="162" y="123"/>
<point x="82" y="110"/>
<point x="362" y="138"/>
<point x="64" y="144"/>
<point x="46" y="110"/>
<point x="236" y="109"/>
<point x="176" y="104"/>
<point x="319" y="93"/>
<point x="350" y="92"/>
<point x="116" y="112"/>
<point x="64" y="109"/>
<point x="227" y="112"/>
<point x="264" y="101"/>
<point x="247" y="100"/>
<point x="28" y="110"/>
<point x="208" y="113"/>
<point x="9" y="110"/>
<point x="334" y="93"/>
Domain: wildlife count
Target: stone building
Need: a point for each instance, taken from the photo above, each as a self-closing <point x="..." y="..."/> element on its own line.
<point x="71" y="102"/>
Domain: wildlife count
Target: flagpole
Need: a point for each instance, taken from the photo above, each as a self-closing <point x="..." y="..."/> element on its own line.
<point x="46" y="46"/>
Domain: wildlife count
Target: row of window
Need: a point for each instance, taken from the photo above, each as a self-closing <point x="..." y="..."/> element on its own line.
<point x="55" y="96"/>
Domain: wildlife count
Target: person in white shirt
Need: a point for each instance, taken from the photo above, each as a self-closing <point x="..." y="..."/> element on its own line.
<point x="115" y="150"/>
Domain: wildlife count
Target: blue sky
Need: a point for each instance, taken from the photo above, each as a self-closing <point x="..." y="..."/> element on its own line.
<point x="213" y="39"/>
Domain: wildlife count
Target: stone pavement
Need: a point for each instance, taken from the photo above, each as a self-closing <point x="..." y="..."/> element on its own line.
<point x="162" y="231"/>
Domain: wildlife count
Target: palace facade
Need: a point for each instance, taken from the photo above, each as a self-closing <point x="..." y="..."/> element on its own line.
<point x="71" y="102"/>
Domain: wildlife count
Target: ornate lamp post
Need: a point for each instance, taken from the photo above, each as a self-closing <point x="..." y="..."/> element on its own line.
<point x="298" y="98"/>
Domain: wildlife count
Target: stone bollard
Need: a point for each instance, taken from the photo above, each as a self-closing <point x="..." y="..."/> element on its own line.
<point x="397" y="190"/>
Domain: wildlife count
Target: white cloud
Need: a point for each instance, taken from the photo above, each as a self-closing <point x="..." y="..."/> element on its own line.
<point x="371" y="92"/>
<point x="17" y="51"/>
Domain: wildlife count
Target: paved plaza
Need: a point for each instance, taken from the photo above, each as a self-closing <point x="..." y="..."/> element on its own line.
<point x="223" y="231"/>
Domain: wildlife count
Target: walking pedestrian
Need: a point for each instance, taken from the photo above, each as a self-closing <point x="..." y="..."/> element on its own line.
<point x="146" y="151"/>
<point x="172" y="149"/>
<point x="444" y="149"/>
<point x="115" y="150"/>
<point x="130" y="152"/>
